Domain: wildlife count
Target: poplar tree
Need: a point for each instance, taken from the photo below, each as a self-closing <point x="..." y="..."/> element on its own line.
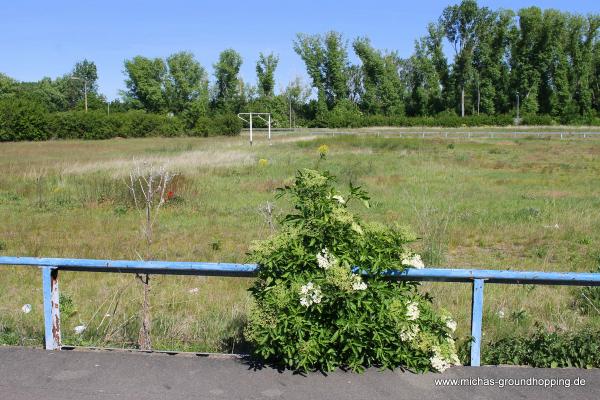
<point x="265" y="71"/>
<point x="460" y="24"/>
<point x="381" y="83"/>
<point x="491" y="90"/>
<point x="228" y="87"/>
<point x="326" y="60"/>
<point x="526" y="59"/>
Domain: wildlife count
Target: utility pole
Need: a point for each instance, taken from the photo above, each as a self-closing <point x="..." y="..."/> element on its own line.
<point x="518" y="101"/>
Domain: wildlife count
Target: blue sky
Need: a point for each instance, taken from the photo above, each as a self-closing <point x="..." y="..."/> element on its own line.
<point x="45" y="38"/>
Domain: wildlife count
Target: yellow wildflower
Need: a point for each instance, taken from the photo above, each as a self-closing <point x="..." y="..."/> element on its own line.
<point x="323" y="150"/>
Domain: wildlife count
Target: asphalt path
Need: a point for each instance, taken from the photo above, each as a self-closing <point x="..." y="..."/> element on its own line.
<point x="27" y="373"/>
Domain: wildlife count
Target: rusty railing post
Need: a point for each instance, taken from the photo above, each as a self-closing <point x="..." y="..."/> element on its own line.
<point x="51" y="308"/>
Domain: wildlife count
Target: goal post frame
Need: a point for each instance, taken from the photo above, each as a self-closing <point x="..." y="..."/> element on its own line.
<point x="260" y="116"/>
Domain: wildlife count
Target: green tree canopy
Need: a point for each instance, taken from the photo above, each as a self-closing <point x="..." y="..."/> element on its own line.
<point x="146" y="82"/>
<point x="461" y="23"/>
<point x="73" y="85"/>
<point x="7" y="85"/>
<point x="326" y="59"/>
<point x="383" y="89"/>
<point x="186" y="83"/>
<point x="227" y="90"/>
<point x="265" y="71"/>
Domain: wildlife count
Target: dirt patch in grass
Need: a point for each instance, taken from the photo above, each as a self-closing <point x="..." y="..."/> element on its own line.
<point x="180" y="162"/>
<point x="555" y="194"/>
<point x="383" y="180"/>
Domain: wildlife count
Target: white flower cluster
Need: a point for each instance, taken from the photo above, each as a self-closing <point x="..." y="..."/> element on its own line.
<point x="325" y="260"/>
<point x="310" y="294"/>
<point x="412" y="311"/>
<point x="358" y="283"/>
<point x="451" y="324"/>
<point x="413" y="261"/>
<point x="408" y="334"/>
<point x="339" y="198"/>
<point x="454" y="359"/>
<point x="439" y="363"/>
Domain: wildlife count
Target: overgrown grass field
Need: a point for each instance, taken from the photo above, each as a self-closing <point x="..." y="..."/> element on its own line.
<point x="518" y="203"/>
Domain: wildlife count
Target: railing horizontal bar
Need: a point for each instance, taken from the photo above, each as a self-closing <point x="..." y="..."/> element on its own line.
<point x="499" y="276"/>
<point x="249" y="270"/>
<point x="126" y="266"/>
<point x="159" y="271"/>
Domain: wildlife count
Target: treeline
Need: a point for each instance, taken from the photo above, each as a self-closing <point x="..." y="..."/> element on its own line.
<point x="546" y="63"/>
<point x="160" y="101"/>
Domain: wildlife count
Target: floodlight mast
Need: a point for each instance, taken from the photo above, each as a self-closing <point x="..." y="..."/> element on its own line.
<point x="258" y="115"/>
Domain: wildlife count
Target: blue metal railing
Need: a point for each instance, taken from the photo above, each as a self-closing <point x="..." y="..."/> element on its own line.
<point x="478" y="278"/>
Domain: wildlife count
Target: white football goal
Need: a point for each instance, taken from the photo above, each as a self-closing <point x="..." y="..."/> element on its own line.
<point x="247" y="117"/>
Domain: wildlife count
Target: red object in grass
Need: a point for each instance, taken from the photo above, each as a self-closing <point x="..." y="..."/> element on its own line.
<point x="170" y="195"/>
